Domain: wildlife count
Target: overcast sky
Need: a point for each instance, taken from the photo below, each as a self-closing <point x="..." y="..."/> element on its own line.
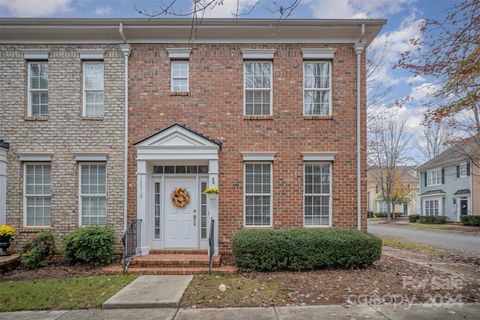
<point x="403" y="17"/>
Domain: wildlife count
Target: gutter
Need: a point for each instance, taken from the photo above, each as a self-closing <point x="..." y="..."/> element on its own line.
<point x="359" y="47"/>
<point x="125" y="47"/>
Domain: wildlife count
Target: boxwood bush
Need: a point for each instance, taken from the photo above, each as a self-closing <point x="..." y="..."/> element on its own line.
<point x="302" y="249"/>
<point x="38" y="251"/>
<point x="413" y="217"/>
<point x="92" y="245"/>
<point x="433" y="219"/>
<point x="471" y="220"/>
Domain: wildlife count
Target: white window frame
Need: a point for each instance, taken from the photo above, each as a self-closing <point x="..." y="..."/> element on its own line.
<point x="426" y="207"/>
<point x="84" y="89"/>
<point x="319" y="89"/>
<point x="80" y="194"/>
<point x="430" y="180"/>
<point x="330" y="204"/>
<point x="381" y="204"/>
<point x="172" y="78"/>
<point x="464" y="165"/>
<point x="245" y="89"/>
<point x="30" y="90"/>
<point x="25" y="195"/>
<point x="257" y="194"/>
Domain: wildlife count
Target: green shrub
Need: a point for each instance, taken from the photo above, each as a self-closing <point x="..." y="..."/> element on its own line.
<point x="92" y="245"/>
<point x="433" y="219"/>
<point x="413" y="217"/>
<point x="37" y="252"/>
<point x="470" y="220"/>
<point x="384" y="214"/>
<point x="301" y="249"/>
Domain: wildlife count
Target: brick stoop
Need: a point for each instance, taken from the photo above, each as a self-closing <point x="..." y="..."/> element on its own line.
<point x="172" y="262"/>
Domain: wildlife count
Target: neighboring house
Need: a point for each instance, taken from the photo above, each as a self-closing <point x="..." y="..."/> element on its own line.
<point x="450" y="182"/>
<point x="273" y="115"/>
<point x="407" y="184"/>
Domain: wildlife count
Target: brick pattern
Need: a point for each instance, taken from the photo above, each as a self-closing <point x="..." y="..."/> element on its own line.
<point x="63" y="133"/>
<point x="214" y="107"/>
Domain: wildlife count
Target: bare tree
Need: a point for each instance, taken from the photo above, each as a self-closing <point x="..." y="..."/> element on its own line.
<point x="435" y="139"/>
<point x="388" y="142"/>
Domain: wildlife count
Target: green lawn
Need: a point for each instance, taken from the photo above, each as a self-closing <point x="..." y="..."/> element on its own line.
<point x="66" y="293"/>
<point x="410" y="246"/>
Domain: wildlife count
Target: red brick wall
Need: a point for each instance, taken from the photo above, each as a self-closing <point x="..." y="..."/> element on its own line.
<point x="214" y="108"/>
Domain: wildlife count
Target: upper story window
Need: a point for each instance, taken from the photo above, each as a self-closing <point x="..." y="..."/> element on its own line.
<point x="317" y="88"/>
<point x="463" y="170"/>
<point x="179" y="76"/>
<point x="37" y="194"/>
<point x="258" y="88"/>
<point x="434" y="177"/>
<point x="37" y="89"/>
<point x="93" y="73"/>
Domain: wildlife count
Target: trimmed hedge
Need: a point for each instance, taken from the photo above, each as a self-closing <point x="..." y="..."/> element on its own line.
<point x="92" y="245"/>
<point x="433" y="219"/>
<point x="470" y="220"/>
<point x="413" y="217"/>
<point x="38" y="251"/>
<point x="302" y="249"/>
<point x="384" y="215"/>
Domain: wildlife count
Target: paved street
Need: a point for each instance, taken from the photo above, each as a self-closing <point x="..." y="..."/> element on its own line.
<point x="464" y="243"/>
<point x="381" y="312"/>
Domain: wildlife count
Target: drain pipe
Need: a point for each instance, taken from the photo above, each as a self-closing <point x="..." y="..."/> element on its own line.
<point x="125" y="47"/>
<point x="359" y="46"/>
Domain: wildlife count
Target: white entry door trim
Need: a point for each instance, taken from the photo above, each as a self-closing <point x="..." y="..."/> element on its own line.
<point x="181" y="224"/>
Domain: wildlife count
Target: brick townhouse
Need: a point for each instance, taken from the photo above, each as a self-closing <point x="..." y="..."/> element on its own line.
<point x="271" y="112"/>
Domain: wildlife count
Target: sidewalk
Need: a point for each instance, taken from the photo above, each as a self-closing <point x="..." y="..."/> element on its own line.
<point x="383" y="312"/>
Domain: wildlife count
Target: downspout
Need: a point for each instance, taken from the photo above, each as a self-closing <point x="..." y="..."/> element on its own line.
<point x="359" y="46"/>
<point x="125" y="47"/>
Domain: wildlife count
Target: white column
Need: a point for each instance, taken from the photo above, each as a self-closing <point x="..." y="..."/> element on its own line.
<point x="142" y="204"/>
<point x="3" y="186"/>
<point x="212" y="205"/>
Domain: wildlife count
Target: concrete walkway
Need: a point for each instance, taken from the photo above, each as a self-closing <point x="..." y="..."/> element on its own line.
<point x="150" y="292"/>
<point x="383" y="312"/>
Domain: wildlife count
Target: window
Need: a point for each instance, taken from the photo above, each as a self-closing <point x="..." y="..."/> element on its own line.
<point x="37" y="194"/>
<point x="93" y="89"/>
<point x="431" y="208"/>
<point x="93" y="193"/>
<point x="179" y="74"/>
<point x="258" y="88"/>
<point x="157" y="211"/>
<point x="434" y="177"/>
<point x="317" y="190"/>
<point x="317" y="88"/>
<point x="258" y="194"/>
<point x="203" y="211"/>
<point x="463" y="170"/>
<point x="38" y="89"/>
<point x="383" y="207"/>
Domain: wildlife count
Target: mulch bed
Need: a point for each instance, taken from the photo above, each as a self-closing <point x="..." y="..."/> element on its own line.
<point x="53" y="271"/>
<point x="388" y="279"/>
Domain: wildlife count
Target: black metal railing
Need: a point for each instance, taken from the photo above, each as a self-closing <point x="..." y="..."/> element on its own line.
<point x="131" y="240"/>
<point x="211" y="243"/>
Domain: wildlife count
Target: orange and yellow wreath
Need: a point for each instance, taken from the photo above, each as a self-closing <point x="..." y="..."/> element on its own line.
<point x="180" y="197"/>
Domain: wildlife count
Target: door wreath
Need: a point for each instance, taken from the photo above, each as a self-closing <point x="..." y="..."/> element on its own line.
<point x="180" y="197"/>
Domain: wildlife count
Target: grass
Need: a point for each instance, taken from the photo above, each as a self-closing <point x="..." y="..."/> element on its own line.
<point x="66" y="293"/>
<point x="241" y="291"/>
<point x="410" y="246"/>
<point x="428" y="226"/>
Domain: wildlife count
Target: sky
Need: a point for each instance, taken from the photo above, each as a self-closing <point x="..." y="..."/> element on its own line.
<point x="404" y="18"/>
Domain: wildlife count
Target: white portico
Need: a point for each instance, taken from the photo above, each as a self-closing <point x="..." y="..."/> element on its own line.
<point x="176" y="157"/>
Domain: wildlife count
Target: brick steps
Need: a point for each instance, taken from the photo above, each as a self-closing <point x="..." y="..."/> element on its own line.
<point x="172" y="262"/>
<point x="169" y="271"/>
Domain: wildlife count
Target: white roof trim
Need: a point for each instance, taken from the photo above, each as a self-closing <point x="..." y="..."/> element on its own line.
<point x="258" y="156"/>
<point x="35" y="54"/>
<point x="91" y="54"/>
<point x="90" y="157"/>
<point x="35" y="156"/>
<point x="318" y="156"/>
<point x="263" y="54"/>
<point x="179" y="53"/>
<point x="318" y="53"/>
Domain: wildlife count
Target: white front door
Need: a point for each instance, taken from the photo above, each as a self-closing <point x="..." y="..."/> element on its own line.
<point x="181" y="229"/>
